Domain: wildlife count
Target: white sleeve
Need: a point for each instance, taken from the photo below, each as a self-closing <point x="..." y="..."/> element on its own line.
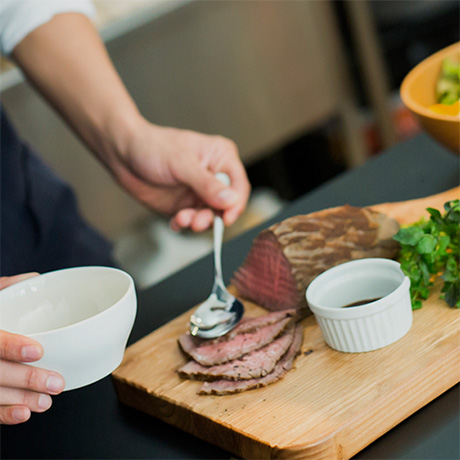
<point x="20" y="17"/>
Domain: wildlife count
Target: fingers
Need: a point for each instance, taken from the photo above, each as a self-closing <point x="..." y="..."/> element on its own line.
<point x="240" y="183"/>
<point x="36" y="402"/>
<point x="218" y="154"/>
<point x="6" y="281"/>
<point x="233" y="166"/>
<point x="24" y="388"/>
<point x="196" y="220"/>
<point x="22" y="376"/>
<point x="16" y="405"/>
<point x="12" y="415"/>
<point x="230" y="216"/>
<point x="199" y="220"/>
<point x="183" y="219"/>
<point x="210" y="190"/>
<point x="15" y="347"/>
<point x="232" y="199"/>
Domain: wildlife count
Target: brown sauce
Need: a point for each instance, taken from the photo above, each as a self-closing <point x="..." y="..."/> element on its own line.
<point x="361" y="302"/>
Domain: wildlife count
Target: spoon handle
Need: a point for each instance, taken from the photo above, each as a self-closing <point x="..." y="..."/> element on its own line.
<point x="218" y="236"/>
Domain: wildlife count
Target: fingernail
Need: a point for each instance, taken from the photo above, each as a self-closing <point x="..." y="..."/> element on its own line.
<point x="54" y="384"/>
<point x="21" y="414"/>
<point x="227" y="196"/>
<point x="31" y="353"/>
<point x="44" y="402"/>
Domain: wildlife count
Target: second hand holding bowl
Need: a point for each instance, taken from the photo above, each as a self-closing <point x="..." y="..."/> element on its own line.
<point x="221" y="311"/>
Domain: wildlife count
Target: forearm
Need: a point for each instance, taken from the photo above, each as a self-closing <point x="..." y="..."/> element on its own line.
<point x="67" y="62"/>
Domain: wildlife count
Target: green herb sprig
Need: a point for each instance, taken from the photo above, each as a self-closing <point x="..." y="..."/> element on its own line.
<point x="430" y="248"/>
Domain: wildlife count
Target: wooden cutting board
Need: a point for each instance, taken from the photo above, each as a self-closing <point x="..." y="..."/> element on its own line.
<point x="331" y="405"/>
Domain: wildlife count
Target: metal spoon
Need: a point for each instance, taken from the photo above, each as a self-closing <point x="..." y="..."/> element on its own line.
<point x="221" y="311"/>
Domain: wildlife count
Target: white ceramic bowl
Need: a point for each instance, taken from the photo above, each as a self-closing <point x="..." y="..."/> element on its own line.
<point x="366" y="327"/>
<point x="82" y="317"/>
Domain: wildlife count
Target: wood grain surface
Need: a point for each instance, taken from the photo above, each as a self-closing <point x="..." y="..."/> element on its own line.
<point x="331" y="405"/>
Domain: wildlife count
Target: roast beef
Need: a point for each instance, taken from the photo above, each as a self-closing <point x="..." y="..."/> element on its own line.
<point x="253" y="365"/>
<point x="286" y="257"/>
<point x="189" y="343"/>
<point x="211" y="353"/>
<point x="224" y="387"/>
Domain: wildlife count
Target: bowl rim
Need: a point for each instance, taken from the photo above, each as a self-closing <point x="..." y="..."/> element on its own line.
<point x="131" y="288"/>
<point x="415" y="72"/>
<point x="368" y="309"/>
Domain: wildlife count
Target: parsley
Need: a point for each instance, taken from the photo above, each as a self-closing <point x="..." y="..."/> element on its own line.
<point x="430" y="248"/>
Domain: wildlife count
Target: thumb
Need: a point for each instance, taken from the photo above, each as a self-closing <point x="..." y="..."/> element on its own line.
<point x="210" y="189"/>
<point x="6" y="281"/>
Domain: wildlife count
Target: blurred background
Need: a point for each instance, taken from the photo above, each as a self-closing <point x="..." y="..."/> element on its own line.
<point x="307" y="89"/>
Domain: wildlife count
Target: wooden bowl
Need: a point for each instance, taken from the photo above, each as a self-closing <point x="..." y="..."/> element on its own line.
<point x="418" y="93"/>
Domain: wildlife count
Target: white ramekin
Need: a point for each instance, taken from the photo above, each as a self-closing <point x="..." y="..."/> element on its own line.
<point x="366" y="327"/>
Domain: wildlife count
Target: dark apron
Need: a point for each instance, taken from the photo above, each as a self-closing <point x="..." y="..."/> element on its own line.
<point x="40" y="227"/>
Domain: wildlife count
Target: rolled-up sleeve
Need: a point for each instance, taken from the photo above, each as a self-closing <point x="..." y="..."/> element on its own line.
<point x="20" y="17"/>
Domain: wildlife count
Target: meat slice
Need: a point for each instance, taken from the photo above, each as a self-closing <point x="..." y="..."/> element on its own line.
<point x="253" y="324"/>
<point x="189" y="344"/>
<point x="287" y="256"/>
<point x="225" y="387"/>
<point x="253" y="365"/>
<point x="211" y="354"/>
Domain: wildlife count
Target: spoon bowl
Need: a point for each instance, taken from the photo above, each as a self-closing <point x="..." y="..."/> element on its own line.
<point x="221" y="321"/>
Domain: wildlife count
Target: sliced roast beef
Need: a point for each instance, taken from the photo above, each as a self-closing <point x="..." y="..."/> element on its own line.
<point x="256" y="364"/>
<point x="189" y="343"/>
<point x="224" y="387"/>
<point x="253" y="324"/>
<point x="286" y="257"/>
<point x="221" y="351"/>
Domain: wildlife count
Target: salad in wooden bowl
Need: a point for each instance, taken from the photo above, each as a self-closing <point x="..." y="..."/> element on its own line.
<point x="431" y="91"/>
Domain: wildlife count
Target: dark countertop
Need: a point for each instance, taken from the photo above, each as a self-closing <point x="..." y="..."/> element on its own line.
<point x="90" y="423"/>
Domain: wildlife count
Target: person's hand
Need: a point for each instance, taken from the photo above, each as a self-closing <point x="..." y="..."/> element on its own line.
<point x="23" y="388"/>
<point x="173" y="171"/>
<point x="169" y="170"/>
